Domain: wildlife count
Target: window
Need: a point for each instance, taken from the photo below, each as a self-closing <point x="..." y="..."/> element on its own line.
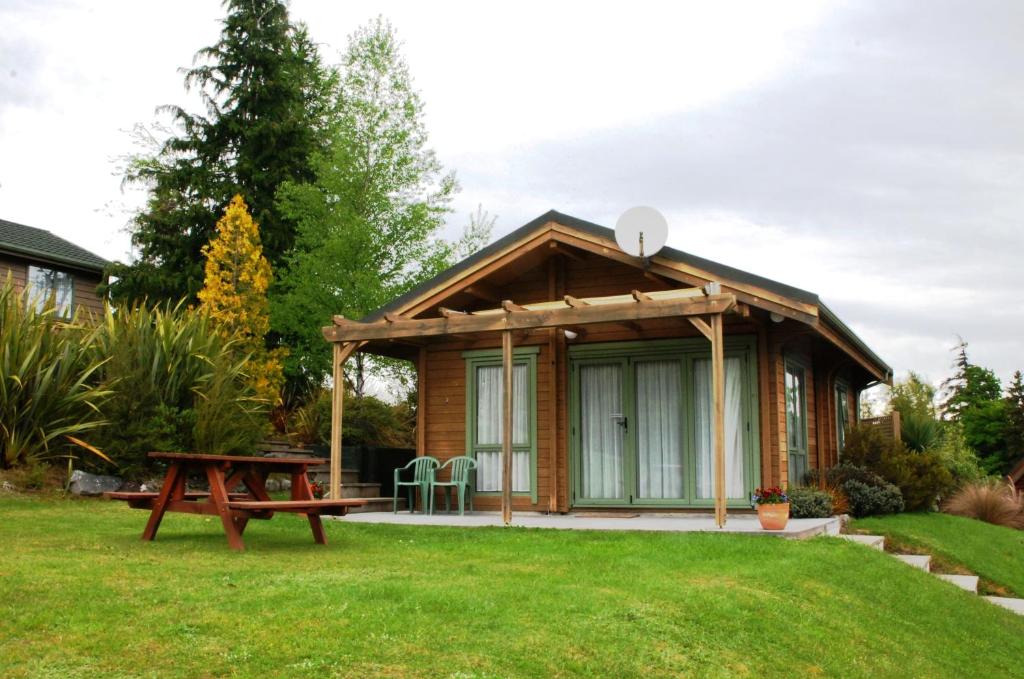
<point x="842" y="415"/>
<point x="796" y="421"/>
<point x="484" y="418"/>
<point x="49" y="288"/>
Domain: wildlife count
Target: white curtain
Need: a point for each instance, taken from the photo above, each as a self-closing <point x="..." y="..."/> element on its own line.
<point x="734" y="426"/>
<point x="659" y="429"/>
<point x="601" y="436"/>
<point x="489" y="424"/>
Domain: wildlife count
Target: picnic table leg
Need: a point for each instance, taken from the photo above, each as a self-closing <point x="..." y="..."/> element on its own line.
<point x="175" y="477"/>
<point x="301" y="490"/>
<point x="219" y="496"/>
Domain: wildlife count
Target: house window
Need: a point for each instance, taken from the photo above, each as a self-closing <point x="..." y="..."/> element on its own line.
<point x="51" y="289"/>
<point x="842" y="415"/>
<point x="796" y="421"/>
<point x="485" y="419"/>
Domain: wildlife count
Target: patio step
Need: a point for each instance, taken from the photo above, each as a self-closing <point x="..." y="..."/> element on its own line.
<point x="1011" y="604"/>
<point x="922" y="561"/>
<point x="965" y="582"/>
<point x="872" y="541"/>
<point x="378" y="504"/>
<point x="364" y="490"/>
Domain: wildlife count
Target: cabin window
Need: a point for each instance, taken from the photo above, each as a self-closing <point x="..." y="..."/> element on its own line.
<point x="796" y="420"/>
<point x="484" y="419"/>
<point x="842" y="415"/>
<point x="50" y="288"/>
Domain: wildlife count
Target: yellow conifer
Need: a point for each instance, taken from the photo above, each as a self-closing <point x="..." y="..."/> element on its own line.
<point x="234" y="294"/>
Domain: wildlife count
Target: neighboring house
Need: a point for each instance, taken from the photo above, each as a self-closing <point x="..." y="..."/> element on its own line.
<point x="51" y="267"/>
<point x="612" y="389"/>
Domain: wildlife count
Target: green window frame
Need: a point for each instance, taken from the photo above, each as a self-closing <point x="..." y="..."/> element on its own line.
<point x="842" y="393"/>
<point x="796" y="419"/>
<point x="488" y="358"/>
<point x="688" y="351"/>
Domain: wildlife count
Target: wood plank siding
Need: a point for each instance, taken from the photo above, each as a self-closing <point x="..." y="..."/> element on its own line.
<point x="442" y="371"/>
<point x="84" y="296"/>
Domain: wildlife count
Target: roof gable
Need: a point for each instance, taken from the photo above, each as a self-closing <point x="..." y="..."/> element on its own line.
<point x="34" y="243"/>
<point x="756" y="290"/>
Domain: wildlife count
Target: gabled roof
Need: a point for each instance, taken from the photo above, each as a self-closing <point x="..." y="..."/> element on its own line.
<point x="801" y="299"/>
<point x="40" y="244"/>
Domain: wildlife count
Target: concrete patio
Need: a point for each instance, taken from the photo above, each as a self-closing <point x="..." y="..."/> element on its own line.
<point x="680" y="523"/>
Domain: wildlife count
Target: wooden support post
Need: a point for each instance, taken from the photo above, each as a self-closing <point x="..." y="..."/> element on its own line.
<point x="337" y="412"/>
<point x="506" y="430"/>
<point x="342" y="350"/>
<point x="718" y="399"/>
<point x="421" y="403"/>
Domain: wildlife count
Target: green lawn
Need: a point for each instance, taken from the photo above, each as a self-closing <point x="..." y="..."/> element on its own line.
<point x="993" y="552"/>
<point x="80" y="595"/>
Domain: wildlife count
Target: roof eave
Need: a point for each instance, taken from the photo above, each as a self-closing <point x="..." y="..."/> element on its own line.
<point x="51" y="258"/>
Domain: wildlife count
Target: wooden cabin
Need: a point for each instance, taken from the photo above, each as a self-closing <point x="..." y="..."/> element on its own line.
<point x="642" y="384"/>
<point x="51" y="268"/>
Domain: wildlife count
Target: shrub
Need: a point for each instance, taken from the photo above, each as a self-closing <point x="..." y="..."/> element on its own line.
<point x="866" y="492"/>
<point x="997" y="503"/>
<point x="920" y="432"/>
<point x="923" y="478"/>
<point x="46" y="386"/>
<point x="958" y="457"/>
<point x="367" y="421"/>
<point x="809" y="503"/>
<point x="176" y="386"/>
<point x="868" y="500"/>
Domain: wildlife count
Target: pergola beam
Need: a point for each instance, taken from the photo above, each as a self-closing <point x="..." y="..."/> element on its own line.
<point x="341" y="354"/>
<point x="529" y="319"/>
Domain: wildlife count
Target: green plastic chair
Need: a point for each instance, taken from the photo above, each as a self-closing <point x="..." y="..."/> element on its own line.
<point x="423" y="469"/>
<point x="458" y="482"/>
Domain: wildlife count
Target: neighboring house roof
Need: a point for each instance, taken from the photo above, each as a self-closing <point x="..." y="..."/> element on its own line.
<point x="40" y="244"/>
<point x="726" y="274"/>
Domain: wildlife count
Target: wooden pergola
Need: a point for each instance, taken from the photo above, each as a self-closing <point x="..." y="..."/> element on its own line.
<point x="703" y="307"/>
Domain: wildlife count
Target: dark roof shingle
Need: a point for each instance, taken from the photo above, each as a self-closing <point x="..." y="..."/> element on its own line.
<point x="43" y="245"/>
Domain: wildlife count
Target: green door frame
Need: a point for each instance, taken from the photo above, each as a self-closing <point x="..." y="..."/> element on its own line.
<point x="687" y="351"/>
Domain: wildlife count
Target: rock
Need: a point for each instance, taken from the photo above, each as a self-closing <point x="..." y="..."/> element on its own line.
<point x="84" y="483"/>
<point x="273" y="485"/>
<point x="7" y="488"/>
<point x="286" y="484"/>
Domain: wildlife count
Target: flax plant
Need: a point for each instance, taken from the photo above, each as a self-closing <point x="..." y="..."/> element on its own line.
<point x="48" y="385"/>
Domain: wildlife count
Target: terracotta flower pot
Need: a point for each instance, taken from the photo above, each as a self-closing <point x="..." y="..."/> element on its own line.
<point x="773" y="517"/>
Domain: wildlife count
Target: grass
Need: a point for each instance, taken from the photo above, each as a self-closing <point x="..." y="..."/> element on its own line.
<point x="81" y="595"/>
<point x="994" y="553"/>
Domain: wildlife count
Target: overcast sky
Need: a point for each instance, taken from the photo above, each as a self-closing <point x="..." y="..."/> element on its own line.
<point x="869" y="153"/>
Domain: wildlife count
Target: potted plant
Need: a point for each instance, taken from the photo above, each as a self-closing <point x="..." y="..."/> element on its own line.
<point x="772" y="507"/>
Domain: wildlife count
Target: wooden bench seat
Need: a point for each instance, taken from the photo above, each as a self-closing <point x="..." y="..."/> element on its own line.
<point x="329" y="507"/>
<point x="190" y="495"/>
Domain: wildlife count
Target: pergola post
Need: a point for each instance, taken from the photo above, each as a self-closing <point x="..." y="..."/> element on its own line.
<point x="718" y="400"/>
<point x="506" y="430"/>
<point x="342" y="350"/>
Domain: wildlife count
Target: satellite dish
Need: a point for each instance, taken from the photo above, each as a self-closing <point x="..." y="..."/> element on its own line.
<point x="641" y="231"/>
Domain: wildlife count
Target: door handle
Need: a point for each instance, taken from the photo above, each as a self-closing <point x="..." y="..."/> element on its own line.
<point x="621" y="420"/>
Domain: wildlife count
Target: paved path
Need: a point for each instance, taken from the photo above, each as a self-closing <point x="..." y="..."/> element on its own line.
<point x="682" y="523"/>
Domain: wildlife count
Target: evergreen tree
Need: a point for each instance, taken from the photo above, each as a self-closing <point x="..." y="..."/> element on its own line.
<point x="369" y="224"/>
<point x="1015" y="419"/>
<point x="973" y="398"/>
<point x="265" y="94"/>
<point x="234" y="295"/>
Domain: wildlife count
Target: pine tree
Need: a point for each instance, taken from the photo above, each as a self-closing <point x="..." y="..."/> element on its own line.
<point x="234" y="294"/>
<point x="973" y="399"/>
<point x="1015" y="419"/>
<point x="266" y="97"/>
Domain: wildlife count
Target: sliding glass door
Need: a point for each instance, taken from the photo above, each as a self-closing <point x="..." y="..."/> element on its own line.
<point x="603" y="424"/>
<point x="642" y="424"/>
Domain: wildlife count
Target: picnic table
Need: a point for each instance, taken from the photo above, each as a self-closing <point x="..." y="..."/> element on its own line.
<point x="225" y="474"/>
